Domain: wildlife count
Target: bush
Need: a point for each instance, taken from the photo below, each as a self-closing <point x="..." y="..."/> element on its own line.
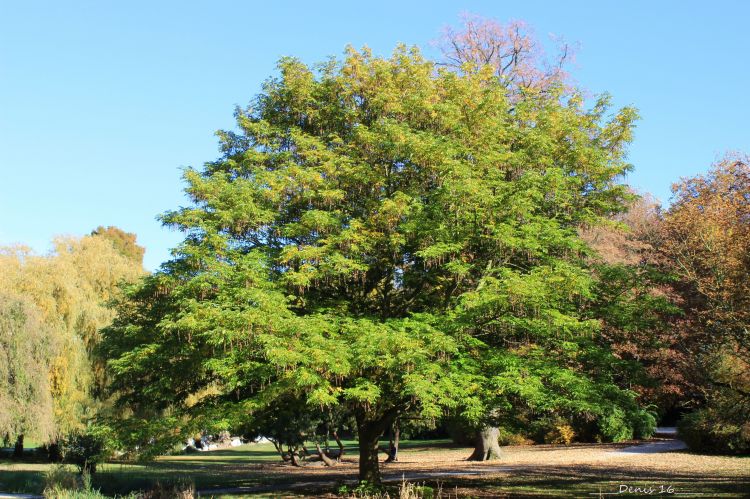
<point x="552" y="430"/>
<point x="61" y="483"/>
<point x="644" y="423"/>
<point x="62" y="493"/>
<point x="60" y="477"/>
<point x="87" y="450"/>
<point x="561" y="433"/>
<point x="508" y="437"/>
<point x="615" y="427"/>
<point x="706" y="430"/>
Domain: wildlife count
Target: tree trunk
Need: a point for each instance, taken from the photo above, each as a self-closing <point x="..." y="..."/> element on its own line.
<point x="293" y="455"/>
<point x="327" y="460"/>
<point x="369" y="467"/>
<point x="280" y="449"/>
<point x="487" y="447"/>
<point x="340" y="444"/>
<point x="393" y="444"/>
<point x="18" y="448"/>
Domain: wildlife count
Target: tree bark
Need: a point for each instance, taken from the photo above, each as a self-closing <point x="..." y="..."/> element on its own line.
<point x="18" y="448"/>
<point x="487" y="447"/>
<point x="369" y="466"/>
<point x="293" y="454"/>
<point x="340" y="444"/>
<point x="327" y="460"/>
<point x="393" y="444"/>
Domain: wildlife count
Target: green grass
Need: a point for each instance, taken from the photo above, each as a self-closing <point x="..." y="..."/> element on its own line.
<point x="221" y="468"/>
<point x="228" y="468"/>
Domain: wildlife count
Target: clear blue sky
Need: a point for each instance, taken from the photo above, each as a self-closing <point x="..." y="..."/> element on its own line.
<point x="102" y="102"/>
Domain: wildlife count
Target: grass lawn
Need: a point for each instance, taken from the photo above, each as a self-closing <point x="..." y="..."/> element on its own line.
<point x="542" y="470"/>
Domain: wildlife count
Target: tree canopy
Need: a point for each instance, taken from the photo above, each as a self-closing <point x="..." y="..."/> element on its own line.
<point x="387" y="237"/>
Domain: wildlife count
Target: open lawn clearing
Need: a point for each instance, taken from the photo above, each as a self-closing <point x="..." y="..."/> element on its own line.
<point x="554" y="471"/>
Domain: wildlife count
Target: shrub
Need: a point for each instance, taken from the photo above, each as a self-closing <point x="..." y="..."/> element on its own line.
<point x="87" y="450"/>
<point x="615" y="427"/>
<point x="59" y="476"/>
<point x="561" y="433"/>
<point x="552" y="430"/>
<point x="707" y="431"/>
<point x="644" y="423"/>
<point x="508" y="437"/>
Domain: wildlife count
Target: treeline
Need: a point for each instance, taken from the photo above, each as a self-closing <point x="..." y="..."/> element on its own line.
<point x="677" y="303"/>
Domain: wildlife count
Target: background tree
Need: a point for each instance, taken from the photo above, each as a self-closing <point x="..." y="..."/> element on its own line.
<point x="71" y="288"/>
<point x="707" y="239"/>
<point x="514" y="53"/>
<point x="379" y="237"/>
<point x="25" y="352"/>
<point x="124" y="242"/>
<point x="640" y="307"/>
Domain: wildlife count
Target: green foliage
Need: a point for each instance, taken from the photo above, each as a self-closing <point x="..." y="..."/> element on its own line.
<point x="385" y="238"/>
<point x="88" y="449"/>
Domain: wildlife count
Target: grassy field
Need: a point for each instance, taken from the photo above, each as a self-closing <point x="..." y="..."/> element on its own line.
<point x="542" y="470"/>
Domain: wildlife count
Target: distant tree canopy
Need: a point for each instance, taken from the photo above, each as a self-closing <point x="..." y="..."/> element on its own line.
<point x="388" y="238"/>
<point x="639" y="305"/>
<point x="65" y="301"/>
<point x="124" y="242"/>
<point x="510" y="50"/>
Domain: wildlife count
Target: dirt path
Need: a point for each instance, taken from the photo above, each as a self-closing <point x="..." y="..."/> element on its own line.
<point x="653" y="447"/>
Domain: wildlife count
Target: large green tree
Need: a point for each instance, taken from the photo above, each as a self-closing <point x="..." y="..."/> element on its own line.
<point x="381" y="236"/>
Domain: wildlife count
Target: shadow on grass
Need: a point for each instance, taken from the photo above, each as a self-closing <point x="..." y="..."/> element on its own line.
<point x="583" y="480"/>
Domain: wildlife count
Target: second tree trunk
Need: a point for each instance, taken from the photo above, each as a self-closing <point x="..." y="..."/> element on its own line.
<point x="487" y="446"/>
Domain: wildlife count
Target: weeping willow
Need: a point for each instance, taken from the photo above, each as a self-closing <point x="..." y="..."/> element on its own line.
<point x="65" y="296"/>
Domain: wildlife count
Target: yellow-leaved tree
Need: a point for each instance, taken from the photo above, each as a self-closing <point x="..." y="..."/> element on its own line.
<point x="69" y="290"/>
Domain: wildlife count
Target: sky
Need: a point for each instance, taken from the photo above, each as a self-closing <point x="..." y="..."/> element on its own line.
<point x="103" y="103"/>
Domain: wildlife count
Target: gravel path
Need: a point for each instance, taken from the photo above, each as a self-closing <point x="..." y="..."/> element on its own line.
<point x="653" y="447"/>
